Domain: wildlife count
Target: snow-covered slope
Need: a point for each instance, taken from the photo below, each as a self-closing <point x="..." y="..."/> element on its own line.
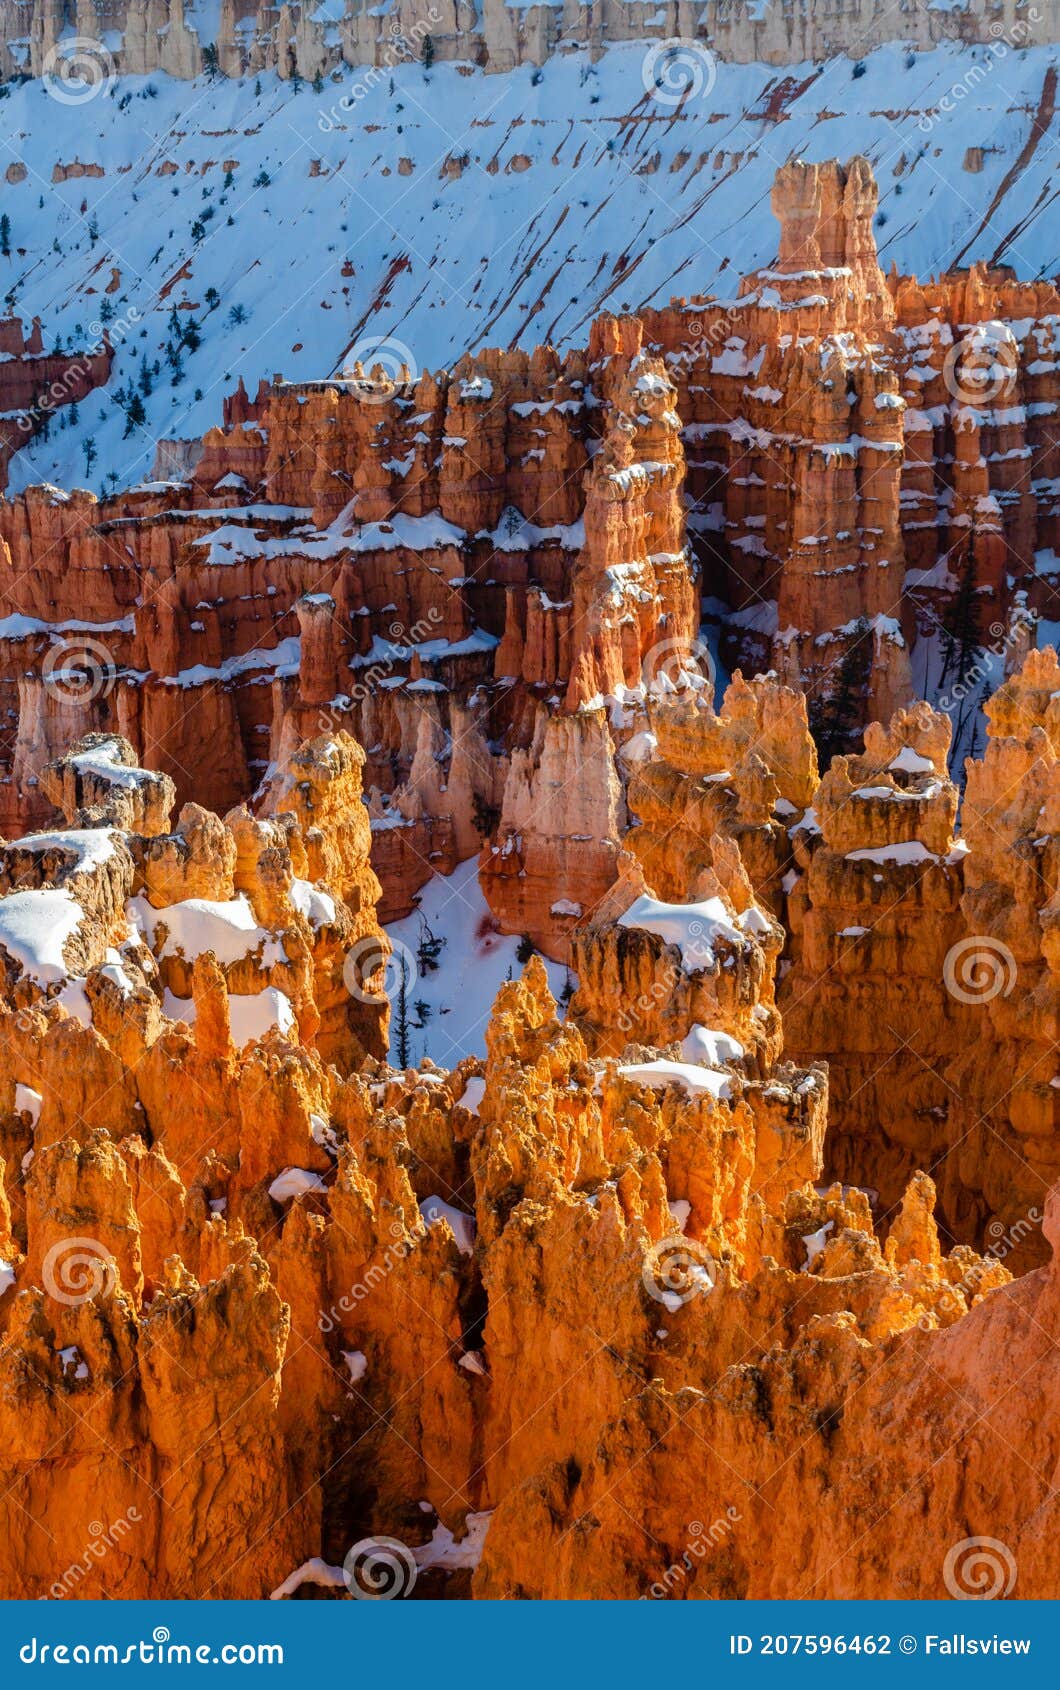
<point x="449" y="209"/>
<point x="449" y="998"/>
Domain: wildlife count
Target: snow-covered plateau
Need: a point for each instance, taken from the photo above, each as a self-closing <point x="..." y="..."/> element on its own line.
<point x="448" y="209"/>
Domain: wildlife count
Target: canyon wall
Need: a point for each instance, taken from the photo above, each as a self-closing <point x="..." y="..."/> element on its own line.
<point x="36" y="383"/>
<point x="491" y="575"/>
<point x="137" y="37"/>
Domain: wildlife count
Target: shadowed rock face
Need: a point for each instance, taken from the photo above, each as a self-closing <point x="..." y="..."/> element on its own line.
<point x="491" y="577"/>
<point x="35" y="383"/>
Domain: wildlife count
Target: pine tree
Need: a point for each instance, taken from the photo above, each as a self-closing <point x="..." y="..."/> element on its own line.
<point x="427" y="52"/>
<point x="429" y="950"/>
<point x="962" y="632"/>
<point x="484" y="816"/>
<point x="402" y="1028"/>
<point x="837" y="718"/>
<point x="5" y="236"/>
<point x="135" y="415"/>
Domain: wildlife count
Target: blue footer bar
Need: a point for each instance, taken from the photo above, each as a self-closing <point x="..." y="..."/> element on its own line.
<point x="542" y="1644"/>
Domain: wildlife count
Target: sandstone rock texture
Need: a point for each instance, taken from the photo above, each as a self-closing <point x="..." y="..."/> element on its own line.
<point x="763" y="1220"/>
<point x="35" y="383"/>
<point x="573" y="1320"/>
<point x="173" y="36"/>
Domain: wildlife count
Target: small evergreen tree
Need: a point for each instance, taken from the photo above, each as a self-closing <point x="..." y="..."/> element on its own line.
<point x="962" y="632"/>
<point x="5" y="236"/>
<point x="429" y="949"/>
<point x="484" y="816"/>
<point x="401" y="1027"/>
<point x="836" y="719"/>
<point x="135" y="415"/>
<point x="427" y="52"/>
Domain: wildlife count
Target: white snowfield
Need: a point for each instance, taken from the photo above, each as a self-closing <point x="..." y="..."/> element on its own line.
<point x="693" y="928"/>
<point x="434" y="261"/>
<point x="450" y="1006"/>
<point x="250" y="1016"/>
<point x="34" y="928"/>
<point x="694" y="1080"/>
<point x="198" y="925"/>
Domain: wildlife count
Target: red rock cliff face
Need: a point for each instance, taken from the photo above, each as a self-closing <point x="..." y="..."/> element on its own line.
<point x="35" y="383"/>
<point x="461" y="571"/>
